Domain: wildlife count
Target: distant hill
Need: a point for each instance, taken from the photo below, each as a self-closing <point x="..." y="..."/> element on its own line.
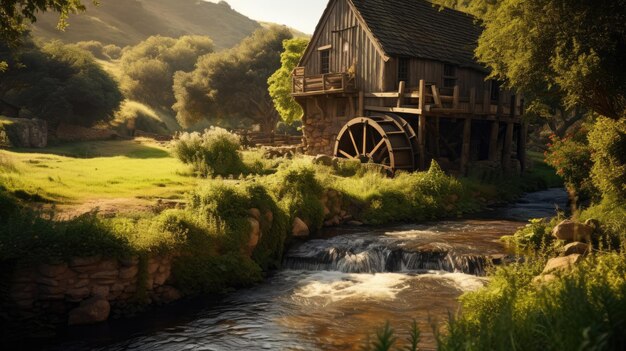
<point x="127" y="22"/>
<point x="296" y="33"/>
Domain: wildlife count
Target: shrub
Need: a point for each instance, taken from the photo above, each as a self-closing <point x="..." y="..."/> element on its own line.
<point x="608" y="142"/>
<point x="299" y="192"/>
<point x="571" y="157"/>
<point x="136" y="116"/>
<point x="113" y="51"/>
<point x="213" y="153"/>
<point x="612" y="218"/>
<point x="583" y="310"/>
<point x="534" y="237"/>
<point x="94" y="47"/>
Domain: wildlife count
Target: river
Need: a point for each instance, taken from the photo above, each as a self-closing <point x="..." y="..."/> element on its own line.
<point x="334" y="291"/>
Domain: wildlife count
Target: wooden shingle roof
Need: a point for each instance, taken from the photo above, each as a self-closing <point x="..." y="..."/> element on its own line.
<point x="416" y="28"/>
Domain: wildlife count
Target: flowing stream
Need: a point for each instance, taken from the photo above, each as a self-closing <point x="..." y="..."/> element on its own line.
<point x="335" y="290"/>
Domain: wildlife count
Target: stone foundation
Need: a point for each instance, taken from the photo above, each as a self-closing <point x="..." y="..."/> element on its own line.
<point x="89" y="283"/>
<point x="324" y="118"/>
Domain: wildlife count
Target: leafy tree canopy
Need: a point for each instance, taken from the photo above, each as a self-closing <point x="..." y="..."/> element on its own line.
<point x="568" y="52"/>
<point x="229" y="88"/>
<point x="58" y="83"/>
<point x="280" y="81"/>
<point x="148" y="68"/>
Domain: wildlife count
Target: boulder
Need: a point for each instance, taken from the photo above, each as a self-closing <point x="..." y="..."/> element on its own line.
<point x="569" y="231"/>
<point x="562" y="264"/>
<point x="299" y="228"/>
<point x="90" y="311"/>
<point x="323" y="160"/>
<point x="170" y="294"/>
<point x="255" y="213"/>
<point x="355" y="223"/>
<point x="269" y="217"/>
<point x="255" y="233"/>
<point x="575" y="248"/>
<point x="52" y="271"/>
<point x="544" y="278"/>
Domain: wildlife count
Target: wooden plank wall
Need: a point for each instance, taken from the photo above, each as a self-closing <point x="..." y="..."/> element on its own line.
<point x="338" y="28"/>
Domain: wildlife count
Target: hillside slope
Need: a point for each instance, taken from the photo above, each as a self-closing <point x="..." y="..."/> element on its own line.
<point x="127" y="22"/>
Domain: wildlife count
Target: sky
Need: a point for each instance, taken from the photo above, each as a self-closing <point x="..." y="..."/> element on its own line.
<point x="299" y="14"/>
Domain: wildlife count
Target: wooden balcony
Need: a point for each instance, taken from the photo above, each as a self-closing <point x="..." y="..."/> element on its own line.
<point x="329" y="83"/>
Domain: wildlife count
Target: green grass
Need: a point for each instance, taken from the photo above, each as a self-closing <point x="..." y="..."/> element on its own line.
<point x="75" y="173"/>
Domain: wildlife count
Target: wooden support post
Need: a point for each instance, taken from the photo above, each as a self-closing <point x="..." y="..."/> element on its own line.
<point x="506" y="149"/>
<point x="421" y="141"/>
<point x="487" y="102"/>
<point x="436" y="97"/>
<point x="521" y="146"/>
<point x="513" y="110"/>
<point x="422" y="95"/>
<point x="455" y="97"/>
<point x="360" y="111"/>
<point x="500" y="105"/>
<point x="472" y="102"/>
<point x="401" y="94"/>
<point x="465" y="151"/>
<point x="437" y="150"/>
<point x="493" y="141"/>
<point x="350" y="108"/>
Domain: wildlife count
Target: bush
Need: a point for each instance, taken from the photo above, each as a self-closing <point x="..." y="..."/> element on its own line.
<point x="612" y="218"/>
<point x="94" y="47"/>
<point x="213" y="153"/>
<point x="608" y="142"/>
<point x="136" y="116"/>
<point x="299" y="192"/>
<point x="113" y="51"/>
<point x="534" y="237"/>
<point x="407" y="197"/>
<point x="583" y="310"/>
<point x="571" y="157"/>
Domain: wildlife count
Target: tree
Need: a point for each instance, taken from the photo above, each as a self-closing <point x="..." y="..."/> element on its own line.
<point x="229" y="88"/>
<point x="15" y="14"/>
<point x="148" y="68"/>
<point x="559" y="50"/>
<point x="58" y="83"/>
<point x="280" y="82"/>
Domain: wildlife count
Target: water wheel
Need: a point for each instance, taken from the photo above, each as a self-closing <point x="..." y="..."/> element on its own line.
<point x="385" y="139"/>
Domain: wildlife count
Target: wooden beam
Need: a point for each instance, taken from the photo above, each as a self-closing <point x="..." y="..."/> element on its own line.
<point x="472" y="100"/>
<point x="421" y="141"/>
<point x="436" y="98"/>
<point x="493" y="141"/>
<point x="455" y="97"/>
<point x="381" y="95"/>
<point x="414" y="111"/>
<point x="506" y="149"/>
<point x="401" y="94"/>
<point x="422" y="94"/>
<point x="360" y="111"/>
<point x="465" y="150"/>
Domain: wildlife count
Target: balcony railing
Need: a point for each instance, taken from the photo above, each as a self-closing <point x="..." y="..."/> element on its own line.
<point x="329" y="83"/>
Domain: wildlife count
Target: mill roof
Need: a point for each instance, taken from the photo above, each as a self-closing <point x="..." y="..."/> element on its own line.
<point x="416" y="28"/>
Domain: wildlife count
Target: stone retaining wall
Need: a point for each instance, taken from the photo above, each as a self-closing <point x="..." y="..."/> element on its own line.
<point x="90" y="284"/>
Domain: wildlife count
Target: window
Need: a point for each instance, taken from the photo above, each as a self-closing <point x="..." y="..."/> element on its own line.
<point x="449" y="76"/>
<point x="495" y="90"/>
<point x="325" y="61"/>
<point x="403" y="69"/>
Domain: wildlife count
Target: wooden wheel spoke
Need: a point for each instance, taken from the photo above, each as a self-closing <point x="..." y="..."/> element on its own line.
<point x="380" y="143"/>
<point x="347" y="155"/>
<point x="364" y="139"/>
<point x="356" y="148"/>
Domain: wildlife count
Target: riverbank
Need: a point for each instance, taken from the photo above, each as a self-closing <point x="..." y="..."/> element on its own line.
<point x="332" y="302"/>
<point x="229" y="232"/>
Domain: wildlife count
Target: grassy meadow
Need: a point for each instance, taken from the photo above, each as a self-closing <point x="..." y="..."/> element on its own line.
<point x="75" y="173"/>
